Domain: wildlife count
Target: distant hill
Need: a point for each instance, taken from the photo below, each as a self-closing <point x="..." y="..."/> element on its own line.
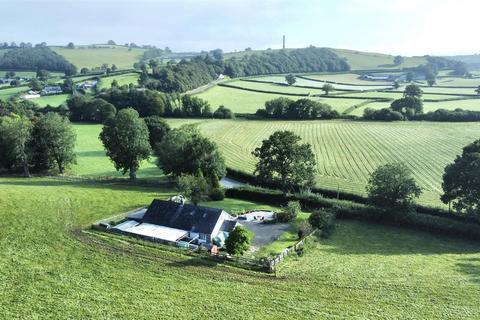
<point x="472" y="60"/>
<point x="358" y="60"/>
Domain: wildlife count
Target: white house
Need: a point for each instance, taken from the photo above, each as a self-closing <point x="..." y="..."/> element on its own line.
<point x="173" y="222"/>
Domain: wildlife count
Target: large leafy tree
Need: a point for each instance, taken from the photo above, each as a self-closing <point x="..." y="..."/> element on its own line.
<point x="193" y="187"/>
<point x="408" y="105"/>
<point x="125" y="137"/>
<point x="238" y="241"/>
<point x="461" y="180"/>
<point x="412" y="90"/>
<point x="392" y="186"/>
<point x="53" y="142"/>
<point x="157" y="128"/>
<point x="291" y="79"/>
<point x="15" y="133"/>
<point x="186" y="151"/>
<point x="284" y="160"/>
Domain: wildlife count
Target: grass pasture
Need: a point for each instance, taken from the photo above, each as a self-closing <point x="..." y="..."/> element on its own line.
<point x="347" y="152"/>
<point x="49" y="269"/>
<point x="53" y="100"/>
<point x="84" y="56"/>
<point x="122" y="79"/>
<point x="9" y="92"/>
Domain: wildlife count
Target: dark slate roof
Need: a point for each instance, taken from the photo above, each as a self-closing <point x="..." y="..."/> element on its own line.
<point x="228" y="225"/>
<point x="185" y="217"/>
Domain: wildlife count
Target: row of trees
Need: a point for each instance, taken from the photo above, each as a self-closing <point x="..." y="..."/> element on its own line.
<point x="38" y="144"/>
<point x="408" y="107"/>
<point x="183" y="153"/>
<point x="150" y="102"/>
<point x="284" y="108"/>
<point x="200" y="70"/>
<point x="38" y="58"/>
<point x="309" y="59"/>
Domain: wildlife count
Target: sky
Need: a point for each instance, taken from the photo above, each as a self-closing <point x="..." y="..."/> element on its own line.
<point x="406" y="27"/>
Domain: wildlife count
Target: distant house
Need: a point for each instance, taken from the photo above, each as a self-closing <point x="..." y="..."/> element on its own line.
<point x="6" y="80"/>
<point x="87" y="85"/>
<point x="173" y="222"/>
<point x="51" y="90"/>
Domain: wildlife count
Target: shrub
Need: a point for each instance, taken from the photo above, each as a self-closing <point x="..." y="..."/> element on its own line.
<point x="217" y="194"/>
<point x="289" y="212"/>
<point x="324" y="220"/>
<point x="238" y="241"/>
<point x="304" y="229"/>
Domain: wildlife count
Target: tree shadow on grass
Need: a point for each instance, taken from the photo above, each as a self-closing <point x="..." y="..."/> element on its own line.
<point x="113" y="183"/>
<point x="364" y="238"/>
<point x="99" y="154"/>
<point x="470" y="267"/>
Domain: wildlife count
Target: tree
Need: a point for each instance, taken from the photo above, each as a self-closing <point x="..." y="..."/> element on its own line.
<point x="320" y="218"/>
<point x="111" y="42"/>
<point x="43" y="75"/>
<point x="289" y="212"/>
<point x="193" y="187"/>
<point x="53" y="142"/>
<point x="223" y="113"/>
<point x="398" y="60"/>
<point x="431" y="79"/>
<point x="153" y="63"/>
<point x="84" y="70"/>
<point x="10" y="74"/>
<point x="114" y="67"/>
<point x="407" y="106"/>
<point x="409" y="76"/>
<point x="114" y="84"/>
<point x="70" y="45"/>
<point x="15" y="134"/>
<point x="478" y="90"/>
<point x="392" y="186"/>
<point x="284" y="160"/>
<point x="291" y="79"/>
<point x="15" y="83"/>
<point x="412" y="90"/>
<point x="186" y="151"/>
<point x="68" y="85"/>
<point x="125" y="137"/>
<point x="461" y="180"/>
<point x="158" y="128"/>
<point x="395" y="85"/>
<point x="36" y="85"/>
<point x="238" y="241"/>
<point x="327" y="88"/>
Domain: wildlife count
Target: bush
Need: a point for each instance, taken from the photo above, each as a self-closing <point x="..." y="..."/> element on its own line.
<point x="304" y="229"/>
<point x="324" y="220"/>
<point x="289" y="212"/>
<point x="217" y="194"/>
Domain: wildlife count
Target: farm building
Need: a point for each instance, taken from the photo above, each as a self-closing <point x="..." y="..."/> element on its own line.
<point x="172" y="222"/>
<point x="51" y="90"/>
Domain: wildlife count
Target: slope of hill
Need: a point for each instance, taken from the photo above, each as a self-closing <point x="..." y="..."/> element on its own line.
<point x="472" y="60"/>
<point x="94" y="56"/>
<point x="358" y="60"/>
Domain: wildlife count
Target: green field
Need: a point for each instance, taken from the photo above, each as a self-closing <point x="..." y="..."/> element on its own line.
<point x="48" y="269"/>
<point x="82" y="56"/>
<point x="123" y="79"/>
<point x="53" y="100"/>
<point x="7" y="93"/>
<point x="91" y="158"/>
<point x="347" y="152"/>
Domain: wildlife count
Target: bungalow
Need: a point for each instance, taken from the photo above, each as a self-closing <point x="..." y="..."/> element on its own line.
<point x="87" y="85"/>
<point x="51" y="90"/>
<point x="174" y="222"/>
<point x="6" y="80"/>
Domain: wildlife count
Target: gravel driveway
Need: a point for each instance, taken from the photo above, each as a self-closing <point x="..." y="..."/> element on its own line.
<point x="265" y="233"/>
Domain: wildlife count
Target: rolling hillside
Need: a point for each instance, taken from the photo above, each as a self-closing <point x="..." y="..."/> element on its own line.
<point x="89" y="57"/>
